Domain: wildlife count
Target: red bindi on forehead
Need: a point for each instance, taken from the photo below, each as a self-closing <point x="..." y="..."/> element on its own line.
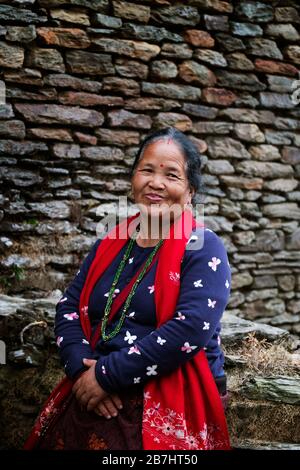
<point x="161" y="165"/>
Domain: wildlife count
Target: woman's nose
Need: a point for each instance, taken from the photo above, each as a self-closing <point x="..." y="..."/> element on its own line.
<point x="156" y="181"/>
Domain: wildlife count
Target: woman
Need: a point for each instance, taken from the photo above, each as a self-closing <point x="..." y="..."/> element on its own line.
<point x="151" y="295"/>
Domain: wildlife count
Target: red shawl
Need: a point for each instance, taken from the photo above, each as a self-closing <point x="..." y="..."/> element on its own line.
<point x="183" y="409"/>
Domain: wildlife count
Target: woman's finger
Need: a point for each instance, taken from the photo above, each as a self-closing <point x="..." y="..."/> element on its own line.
<point x="113" y="410"/>
<point x="117" y="402"/>
<point x="103" y="410"/>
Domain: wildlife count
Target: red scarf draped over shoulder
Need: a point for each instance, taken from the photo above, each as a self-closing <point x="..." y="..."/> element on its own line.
<point x="182" y="410"/>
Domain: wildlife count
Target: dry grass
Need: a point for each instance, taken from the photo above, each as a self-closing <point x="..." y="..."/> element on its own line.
<point x="265" y="358"/>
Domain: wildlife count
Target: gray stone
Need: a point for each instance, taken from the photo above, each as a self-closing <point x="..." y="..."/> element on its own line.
<point x="68" y="151"/>
<point x="281" y="184"/>
<point x="89" y="63"/>
<point x="229" y="43"/>
<point x="198" y="110"/>
<point x="21" y="33"/>
<point x="249" y="132"/>
<point x="178" y="51"/>
<point x="219" y="167"/>
<point x="6" y="111"/>
<point x="131" y="68"/>
<point x="226" y="147"/>
<point x="243" y="238"/>
<point x="285" y="31"/>
<point x="68" y="81"/>
<point x="261" y="294"/>
<point x="239" y="61"/>
<point x="163" y="69"/>
<point x="293" y="53"/>
<point x="291" y="155"/>
<point x="180" y="92"/>
<point x="255" y="11"/>
<point x="248" y="115"/>
<point x="130" y="11"/>
<point x="125" y="118"/>
<point x="20" y="177"/>
<point x="108" y="21"/>
<point x="135" y="49"/>
<point x="266" y="240"/>
<point x="103" y="154"/>
<point x="70" y="16"/>
<point x="264" y="48"/>
<point x="125" y="86"/>
<point x="56" y="227"/>
<point x="21" y="262"/>
<point x="294" y="306"/>
<point x="261" y="282"/>
<point x="276" y="100"/>
<point x="14" y="129"/>
<point x="96" y="5"/>
<point x="277" y="138"/>
<point x="254" y="444"/>
<point x="241" y="279"/>
<point x="11" y="56"/>
<point x="11" y="147"/>
<point x="8" y="13"/>
<point x="246" y="29"/>
<point x="58" y="114"/>
<point x="235" y="329"/>
<point x="287" y="14"/>
<point x="265" y="152"/>
<point x="51" y="209"/>
<point x="192" y="72"/>
<point x="293" y="240"/>
<point x="236" y="299"/>
<point x="215" y="127"/>
<point x="264" y="169"/>
<point x="239" y="81"/>
<point x="47" y="59"/>
<point x="178" y="15"/>
<point x="286" y="283"/>
<point x="289" y="210"/>
<point x="294" y="196"/>
<point x="216" y="23"/>
<point x="149" y="33"/>
<point x="211" y="57"/>
<point x="283" y="389"/>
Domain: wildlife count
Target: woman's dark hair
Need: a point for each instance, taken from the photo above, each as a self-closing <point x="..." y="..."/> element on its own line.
<point x="187" y="147"/>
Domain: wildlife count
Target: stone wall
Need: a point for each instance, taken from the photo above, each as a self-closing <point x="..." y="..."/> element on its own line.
<point x="85" y="80"/>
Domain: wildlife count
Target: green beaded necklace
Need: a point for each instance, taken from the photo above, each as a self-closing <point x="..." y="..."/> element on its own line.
<point x="107" y="310"/>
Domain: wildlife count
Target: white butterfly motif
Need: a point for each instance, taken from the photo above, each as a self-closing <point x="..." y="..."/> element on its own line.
<point x="151" y="370"/>
<point x="130" y="338"/>
<point x="214" y="263"/>
<point x="212" y="303"/>
<point x="161" y="341"/>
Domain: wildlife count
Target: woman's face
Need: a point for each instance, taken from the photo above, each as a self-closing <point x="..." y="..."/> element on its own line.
<point x="160" y="181"/>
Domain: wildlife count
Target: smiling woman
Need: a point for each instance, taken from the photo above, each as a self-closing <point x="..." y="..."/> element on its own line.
<point x="142" y="319"/>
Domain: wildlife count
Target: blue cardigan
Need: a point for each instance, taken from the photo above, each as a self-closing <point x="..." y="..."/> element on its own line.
<point x="141" y="351"/>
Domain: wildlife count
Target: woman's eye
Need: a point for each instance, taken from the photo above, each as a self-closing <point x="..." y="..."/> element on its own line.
<point x="148" y="170"/>
<point x="172" y="175"/>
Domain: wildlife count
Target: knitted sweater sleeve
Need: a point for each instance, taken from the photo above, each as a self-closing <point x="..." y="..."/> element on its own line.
<point x="73" y="346"/>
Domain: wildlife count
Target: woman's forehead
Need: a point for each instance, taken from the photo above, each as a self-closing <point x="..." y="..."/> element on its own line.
<point x="164" y="152"/>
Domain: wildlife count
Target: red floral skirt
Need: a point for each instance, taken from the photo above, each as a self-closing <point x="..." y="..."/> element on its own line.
<point x="77" y="429"/>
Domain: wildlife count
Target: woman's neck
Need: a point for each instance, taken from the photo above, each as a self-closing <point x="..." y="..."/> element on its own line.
<point x="151" y="233"/>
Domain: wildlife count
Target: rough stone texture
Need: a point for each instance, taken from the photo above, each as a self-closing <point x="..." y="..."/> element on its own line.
<point x="81" y="84"/>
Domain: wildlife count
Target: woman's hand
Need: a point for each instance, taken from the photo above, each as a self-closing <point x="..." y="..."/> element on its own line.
<point x="109" y="407"/>
<point x="86" y="389"/>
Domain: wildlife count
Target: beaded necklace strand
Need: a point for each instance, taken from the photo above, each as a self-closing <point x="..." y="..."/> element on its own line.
<point x="107" y="310"/>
